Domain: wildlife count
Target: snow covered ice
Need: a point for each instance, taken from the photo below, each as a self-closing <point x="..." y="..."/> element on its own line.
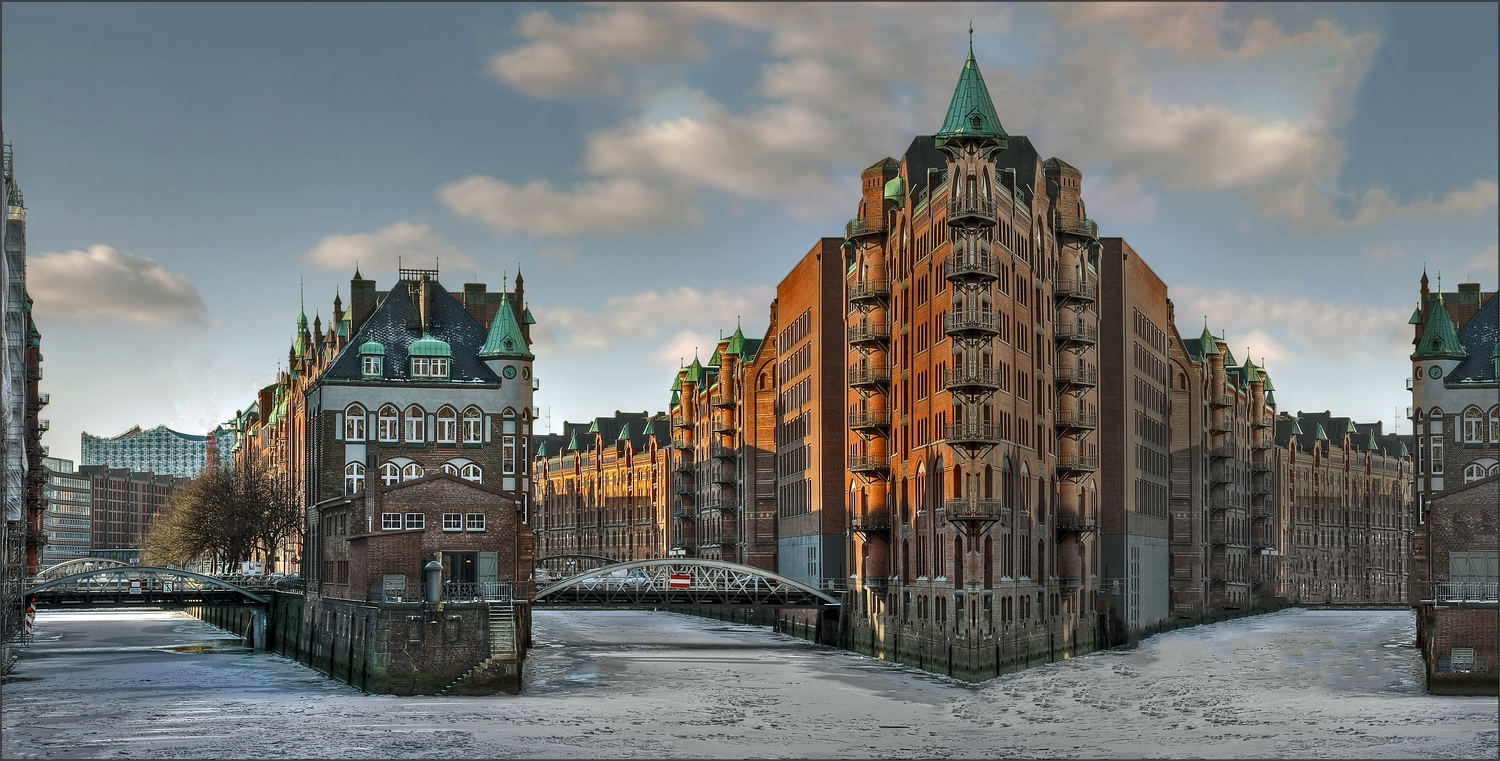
<point x="621" y="684"/>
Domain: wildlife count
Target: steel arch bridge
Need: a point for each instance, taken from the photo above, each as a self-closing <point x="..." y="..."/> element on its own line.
<point x="560" y="567"/>
<point x="76" y="565"/>
<point x="698" y="582"/>
<point x="141" y="585"/>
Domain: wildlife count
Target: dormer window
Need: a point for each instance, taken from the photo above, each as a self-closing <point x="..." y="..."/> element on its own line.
<point x="430" y="358"/>
<point x="372" y="359"/>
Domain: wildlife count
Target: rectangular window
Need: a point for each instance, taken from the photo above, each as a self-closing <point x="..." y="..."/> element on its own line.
<point x="372" y="366"/>
<point x="474" y="522"/>
<point x="508" y="455"/>
<point x="390" y="521"/>
<point x="1437" y="455"/>
<point x="453" y="522"/>
<point x="439" y="368"/>
<point x="354" y="427"/>
<point x="419" y="367"/>
<point x="416" y="521"/>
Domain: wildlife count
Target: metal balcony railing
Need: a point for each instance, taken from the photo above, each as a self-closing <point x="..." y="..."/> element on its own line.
<point x="682" y="442"/>
<point x="1077" y="463"/>
<point x="725" y="477"/>
<point x="1223" y="423"/>
<point x="969" y="268"/>
<point x="722" y="397"/>
<point x="968" y="209"/>
<point x="973" y="510"/>
<point x="869" y="289"/>
<point x="1261" y="512"/>
<point x="1070" y="332"/>
<point x="859" y="228"/>
<point x="683" y="490"/>
<point x="1074" y="289"/>
<point x="864" y="463"/>
<point x="961" y="434"/>
<point x="723" y="425"/>
<point x="876" y="520"/>
<point x="1085" y="227"/>
<point x="722" y="452"/>
<point x="971" y="379"/>
<point x="972" y="323"/>
<point x="1077" y="420"/>
<point x="1221" y="399"/>
<point x="869" y="333"/>
<point x="684" y="513"/>
<point x="1076" y="524"/>
<point x="1461" y="591"/>
<point x="1072" y="375"/>
<point x="864" y="377"/>
<point x="1223" y="451"/>
<point x="864" y="421"/>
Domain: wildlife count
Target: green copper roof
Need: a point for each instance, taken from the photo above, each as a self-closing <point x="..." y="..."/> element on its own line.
<point x="1208" y="342"/>
<point x="1370" y="443"/>
<point x="594" y="426"/>
<point x="677" y="383"/>
<point x="1404" y="451"/>
<point x="427" y="346"/>
<point x="1439" y="338"/>
<point x="717" y="359"/>
<point x="371" y="347"/>
<point x="695" y="372"/>
<point x="573" y="443"/>
<point x="1252" y="373"/>
<point x="676" y="397"/>
<point x="1229" y="362"/>
<point x="971" y="113"/>
<point x="1270" y="397"/>
<point x="1321" y="435"/>
<point x="1416" y="317"/>
<point x="895" y="190"/>
<point x="1267" y="385"/>
<point x="1296" y="427"/>
<point x="624" y="433"/>
<point x="736" y="343"/>
<point x="526" y="316"/>
<point x="505" y="340"/>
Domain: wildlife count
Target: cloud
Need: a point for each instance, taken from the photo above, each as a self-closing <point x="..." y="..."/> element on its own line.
<point x="1309" y="206"/>
<point x="645" y="315"/>
<point x="1289" y="327"/>
<point x="1488" y="260"/>
<point x="683" y="347"/>
<point x="1193" y="31"/>
<point x="536" y="208"/>
<point x="580" y="55"/>
<point x="1383" y="253"/>
<point x="384" y="248"/>
<point x="1119" y="198"/>
<point x="102" y="285"/>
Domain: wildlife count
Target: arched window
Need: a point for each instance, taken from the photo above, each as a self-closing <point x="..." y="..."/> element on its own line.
<point x="389" y="423"/>
<point x="1474" y="425"/>
<point x="354" y="424"/>
<point x="450" y="468"/>
<point x="472" y="472"/>
<point x="390" y="474"/>
<point x="416" y="425"/>
<point x="412" y="470"/>
<point x="447" y="425"/>
<point x="473" y="425"/>
<point x="354" y="478"/>
<point x="508" y="447"/>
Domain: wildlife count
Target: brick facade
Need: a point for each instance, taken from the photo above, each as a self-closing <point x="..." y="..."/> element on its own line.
<point x="1456" y="604"/>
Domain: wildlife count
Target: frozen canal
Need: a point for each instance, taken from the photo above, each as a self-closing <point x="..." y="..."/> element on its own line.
<point x="1294" y="684"/>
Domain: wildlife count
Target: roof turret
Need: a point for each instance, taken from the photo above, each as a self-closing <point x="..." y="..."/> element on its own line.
<point x="736" y="343"/>
<point x="1439" y="337"/>
<point x="971" y="113"/>
<point x="1208" y="342"/>
<point x="505" y="340"/>
<point x="427" y="346"/>
<point x="371" y="347"/>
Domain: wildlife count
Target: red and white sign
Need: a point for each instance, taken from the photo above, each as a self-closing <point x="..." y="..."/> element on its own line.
<point x="166" y="586"/>
<point x="679" y="581"/>
<point x="135" y="586"/>
<point x="30" y="618"/>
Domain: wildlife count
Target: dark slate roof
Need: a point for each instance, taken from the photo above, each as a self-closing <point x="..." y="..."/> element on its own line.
<point x="1286" y="428"/>
<point x="920" y="156"/>
<point x="752" y="348"/>
<point x="395" y="323"/>
<point x="548" y="444"/>
<point x="1478" y="337"/>
<point x="1335" y="427"/>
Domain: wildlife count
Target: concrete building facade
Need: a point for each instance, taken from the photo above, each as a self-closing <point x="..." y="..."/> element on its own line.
<point x="68" y="518"/>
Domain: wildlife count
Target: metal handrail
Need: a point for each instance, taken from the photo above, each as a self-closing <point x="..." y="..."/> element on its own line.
<point x="1068" y="331"/>
<point x="1078" y="419"/>
<point x="972" y="321"/>
<point x="869" y="288"/>
<point x="865" y="462"/>
<point x="987" y="433"/>
<point x="975" y="510"/>
<point x="1073" y="288"/>
<point x="971" y="377"/>
<point x="1465" y="591"/>
<point x="966" y="205"/>
<point x="857" y="228"/>
<point x="1071" y="375"/>
<point x="869" y="332"/>
<point x="958" y="267"/>
<point x="1084" y="226"/>
<point x="1078" y="462"/>
<point x="868" y="419"/>
<point x="867" y="376"/>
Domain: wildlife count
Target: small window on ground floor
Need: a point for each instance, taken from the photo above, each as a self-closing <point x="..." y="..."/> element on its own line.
<point x="390" y="521"/>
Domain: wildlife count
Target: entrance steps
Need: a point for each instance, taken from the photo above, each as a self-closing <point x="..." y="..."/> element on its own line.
<point x="503" y="647"/>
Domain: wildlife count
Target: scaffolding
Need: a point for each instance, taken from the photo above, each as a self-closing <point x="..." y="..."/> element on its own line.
<point x="12" y="411"/>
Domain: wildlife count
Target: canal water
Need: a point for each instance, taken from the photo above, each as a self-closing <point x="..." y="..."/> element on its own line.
<point x="620" y="684"/>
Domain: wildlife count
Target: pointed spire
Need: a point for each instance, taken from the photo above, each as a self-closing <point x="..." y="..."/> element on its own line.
<point x="1207" y="342"/>
<point x="505" y="340"/>
<point x="357" y="276"/>
<point x="971" y="113"/>
<point x="1439" y="338"/>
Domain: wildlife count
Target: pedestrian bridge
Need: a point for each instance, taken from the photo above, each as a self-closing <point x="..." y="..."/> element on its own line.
<point x="681" y="581"/>
<point x="147" y="585"/>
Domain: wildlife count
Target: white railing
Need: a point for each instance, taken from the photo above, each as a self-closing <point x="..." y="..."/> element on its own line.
<point x="1466" y="591"/>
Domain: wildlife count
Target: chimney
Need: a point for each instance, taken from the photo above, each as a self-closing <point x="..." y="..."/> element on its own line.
<point x="361" y="302"/>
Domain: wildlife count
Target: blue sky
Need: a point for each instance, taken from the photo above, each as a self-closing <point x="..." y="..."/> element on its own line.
<point x="656" y="170"/>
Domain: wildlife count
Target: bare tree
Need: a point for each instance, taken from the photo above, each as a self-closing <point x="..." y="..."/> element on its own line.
<point x="228" y="515"/>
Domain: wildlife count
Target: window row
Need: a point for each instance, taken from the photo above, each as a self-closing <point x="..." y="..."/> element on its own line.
<point x="392" y="426"/>
<point x="392" y="473"/>
<point x="1472" y="427"/>
<point x="418" y="521"/>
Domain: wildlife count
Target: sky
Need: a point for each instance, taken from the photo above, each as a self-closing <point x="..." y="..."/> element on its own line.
<point x="190" y="170"/>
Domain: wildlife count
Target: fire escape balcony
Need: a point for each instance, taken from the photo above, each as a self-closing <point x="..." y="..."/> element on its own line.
<point x="1219" y="502"/>
<point x="1260" y="488"/>
<point x="859" y="228"/>
<point x="721" y="538"/>
<point x="971" y="210"/>
<point x="971" y="380"/>
<point x="1223" y="423"/>
<point x="976" y="323"/>
<point x="869" y="421"/>
<point x="1221" y="399"/>
<point x="42" y="424"/>
<point x="1076" y="377"/>
<point x="869" y="289"/>
<point x="1260" y="512"/>
<point x="683" y="543"/>
<point x="972" y="434"/>
<point x="40" y="400"/>
<point x="1074" y="289"/>
<point x="682" y="423"/>
<point x="1075" y="333"/>
<point x="682" y="442"/>
<point x="869" y="333"/>
<point x="724" y="425"/>
<point x="1260" y="421"/>
<point x="721" y="452"/>
<point x="1083" y="227"/>
<point x="973" y="510"/>
<point x="1262" y="543"/>
<point x="685" y="513"/>
<point x="722" y="397"/>
<point x="870" y="464"/>
<point x="1220" y="476"/>
<point x="725" y="477"/>
<point x="684" y="467"/>
<point x="1223" y="451"/>
<point x="684" y="490"/>
<point x="1076" y="524"/>
<point x="1074" y="465"/>
<point x="1261" y="465"/>
<point x="876" y="521"/>
<point x="1077" y="421"/>
<point x="869" y="377"/>
<point x="977" y="268"/>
